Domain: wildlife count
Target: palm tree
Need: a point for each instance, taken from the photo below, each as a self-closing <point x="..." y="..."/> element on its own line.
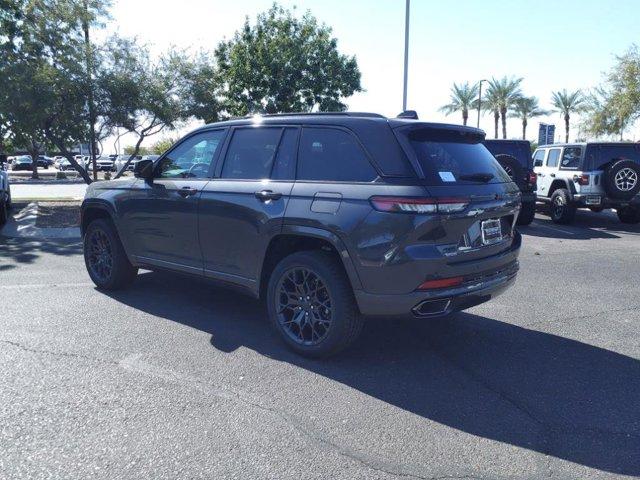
<point x="526" y="108"/>
<point x="462" y="99"/>
<point x="491" y="103"/>
<point x="503" y="92"/>
<point x="567" y="103"/>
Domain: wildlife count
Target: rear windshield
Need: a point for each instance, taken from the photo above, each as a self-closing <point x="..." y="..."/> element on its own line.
<point x="599" y="155"/>
<point x="451" y="158"/>
<point x="518" y="150"/>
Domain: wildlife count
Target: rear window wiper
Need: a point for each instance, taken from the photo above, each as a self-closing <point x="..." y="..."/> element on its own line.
<point x="477" y="177"/>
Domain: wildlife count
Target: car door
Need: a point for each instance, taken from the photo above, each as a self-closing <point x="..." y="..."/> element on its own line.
<point x="242" y="207"/>
<point x="161" y="216"/>
<point x="549" y="171"/>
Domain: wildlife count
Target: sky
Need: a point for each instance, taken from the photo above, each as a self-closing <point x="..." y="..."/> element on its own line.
<point x="550" y="44"/>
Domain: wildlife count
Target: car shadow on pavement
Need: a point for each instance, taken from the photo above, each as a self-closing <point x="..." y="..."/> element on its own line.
<point x="523" y="387"/>
<point x="15" y="251"/>
<point x="586" y="226"/>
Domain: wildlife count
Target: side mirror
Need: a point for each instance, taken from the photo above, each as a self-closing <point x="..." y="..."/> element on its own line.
<point x="538" y="163"/>
<point x="143" y="169"/>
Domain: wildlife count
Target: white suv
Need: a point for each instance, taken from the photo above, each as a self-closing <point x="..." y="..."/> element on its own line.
<point x="589" y="175"/>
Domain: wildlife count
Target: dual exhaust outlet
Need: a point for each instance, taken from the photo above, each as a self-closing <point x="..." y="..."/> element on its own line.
<point x="430" y="308"/>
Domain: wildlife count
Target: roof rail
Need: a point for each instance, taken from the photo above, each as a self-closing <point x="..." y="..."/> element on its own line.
<point x="301" y="114"/>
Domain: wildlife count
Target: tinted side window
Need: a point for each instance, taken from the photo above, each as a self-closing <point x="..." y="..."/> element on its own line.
<point x="328" y="154"/>
<point x="571" y="158"/>
<point x="284" y="168"/>
<point x="554" y="156"/>
<point x="251" y="153"/>
<point x="538" y="158"/>
<point x="192" y="157"/>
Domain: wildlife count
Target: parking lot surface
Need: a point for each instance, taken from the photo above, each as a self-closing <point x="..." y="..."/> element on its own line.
<point x="176" y="378"/>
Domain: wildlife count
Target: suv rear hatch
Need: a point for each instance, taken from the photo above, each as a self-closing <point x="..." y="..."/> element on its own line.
<point x="456" y="169"/>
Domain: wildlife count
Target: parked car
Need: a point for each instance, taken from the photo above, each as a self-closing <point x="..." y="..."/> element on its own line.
<point x="57" y="159"/>
<point x="515" y="157"/>
<point x="121" y="160"/>
<point x="328" y="217"/>
<point x="589" y="175"/>
<point x="45" y="162"/>
<point x="105" y="163"/>
<point x="22" y="162"/>
<point x="66" y="165"/>
<point x="5" y="193"/>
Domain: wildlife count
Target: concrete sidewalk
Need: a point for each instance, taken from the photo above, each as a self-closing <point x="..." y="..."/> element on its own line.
<point x="21" y="192"/>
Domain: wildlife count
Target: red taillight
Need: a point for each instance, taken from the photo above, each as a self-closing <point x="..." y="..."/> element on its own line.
<point x="582" y="179"/>
<point x="533" y="178"/>
<point x="419" y="205"/>
<point x="441" y="283"/>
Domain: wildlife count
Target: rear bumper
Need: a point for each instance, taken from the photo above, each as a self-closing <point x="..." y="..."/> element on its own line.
<point x="497" y="274"/>
<point x="595" y="200"/>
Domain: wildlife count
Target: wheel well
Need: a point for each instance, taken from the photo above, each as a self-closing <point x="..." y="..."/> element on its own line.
<point x="559" y="184"/>
<point x="90" y="214"/>
<point x="282" y="246"/>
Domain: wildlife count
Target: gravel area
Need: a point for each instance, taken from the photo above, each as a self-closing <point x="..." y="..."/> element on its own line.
<point x="58" y="214"/>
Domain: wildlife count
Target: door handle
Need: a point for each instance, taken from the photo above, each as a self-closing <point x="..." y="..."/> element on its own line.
<point x="552" y="175"/>
<point x="187" y="191"/>
<point x="266" y="195"/>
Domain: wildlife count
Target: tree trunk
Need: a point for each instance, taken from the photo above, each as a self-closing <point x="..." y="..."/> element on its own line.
<point x="503" y="114"/>
<point x="524" y="128"/>
<point x="566" y="128"/>
<point x="92" y="110"/>
<point x="34" y="151"/>
<point x="496" y="120"/>
<point x="65" y="153"/>
<point x="131" y="157"/>
<point x="465" y="116"/>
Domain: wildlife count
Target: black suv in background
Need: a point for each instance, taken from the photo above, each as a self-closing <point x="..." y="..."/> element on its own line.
<point x="515" y="157"/>
<point x="327" y="217"/>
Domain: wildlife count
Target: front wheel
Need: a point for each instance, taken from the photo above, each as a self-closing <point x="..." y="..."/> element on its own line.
<point x="629" y="214"/>
<point x="311" y="304"/>
<point x="105" y="258"/>
<point x="561" y="209"/>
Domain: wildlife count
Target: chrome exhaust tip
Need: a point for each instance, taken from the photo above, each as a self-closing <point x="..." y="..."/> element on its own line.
<point x="429" y="308"/>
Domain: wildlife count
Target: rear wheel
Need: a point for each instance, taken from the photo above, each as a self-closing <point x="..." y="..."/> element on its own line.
<point x="105" y="258"/>
<point x="561" y="209"/>
<point x="527" y="213"/>
<point x="311" y="304"/>
<point x="629" y="214"/>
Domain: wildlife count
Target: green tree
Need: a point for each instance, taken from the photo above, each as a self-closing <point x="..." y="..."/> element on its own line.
<point x="491" y="104"/>
<point x="162" y="145"/>
<point x="462" y="98"/>
<point x="282" y="64"/>
<point x="567" y="103"/>
<point x="615" y="104"/>
<point x="526" y="108"/>
<point x="502" y="95"/>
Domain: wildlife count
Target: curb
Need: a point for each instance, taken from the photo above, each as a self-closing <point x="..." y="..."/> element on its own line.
<point x="23" y="225"/>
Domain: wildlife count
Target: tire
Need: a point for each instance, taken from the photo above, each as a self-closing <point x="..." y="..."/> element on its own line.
<point x="527" y="213"/>
<point x="4" y="212"/>
<point x="345" y="319"/>
<point x="622" y="179"/>
<point x="512" y="167"/>
<point x="629" y="214"/>
<point x="561" y="210"/>
<point x="121" y="273"/>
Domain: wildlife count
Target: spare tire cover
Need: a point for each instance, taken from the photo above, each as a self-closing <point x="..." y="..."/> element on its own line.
<point x="512" y="167"/>
<point x="622" y="179"/>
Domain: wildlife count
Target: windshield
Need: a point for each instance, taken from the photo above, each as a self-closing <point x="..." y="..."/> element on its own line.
<point x="454" y="158"/>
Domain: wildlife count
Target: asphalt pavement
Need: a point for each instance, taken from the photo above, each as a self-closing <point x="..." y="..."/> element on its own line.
<point x="176" y="378"/>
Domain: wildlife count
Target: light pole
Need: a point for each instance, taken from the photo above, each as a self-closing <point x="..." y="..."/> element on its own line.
<point x="406" y="54"/>
<point x="480" y="99"/>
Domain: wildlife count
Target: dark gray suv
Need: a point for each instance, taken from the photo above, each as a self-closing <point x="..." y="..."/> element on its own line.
<point x="327" y="217"/>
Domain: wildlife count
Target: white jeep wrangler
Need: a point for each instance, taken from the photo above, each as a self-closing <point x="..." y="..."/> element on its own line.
<point x="589" y="175"/>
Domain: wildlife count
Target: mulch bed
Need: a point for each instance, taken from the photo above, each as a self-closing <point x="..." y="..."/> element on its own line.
<point x="58" y="215"/>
